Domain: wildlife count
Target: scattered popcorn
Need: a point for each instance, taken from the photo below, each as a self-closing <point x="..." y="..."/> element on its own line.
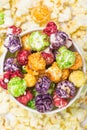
<point x="65" y="15"/>
<point x="71" y="17"/>
<point x="4" y="4"/>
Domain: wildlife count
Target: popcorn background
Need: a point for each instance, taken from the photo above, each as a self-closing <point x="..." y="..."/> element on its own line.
<point x="71" y="17"/>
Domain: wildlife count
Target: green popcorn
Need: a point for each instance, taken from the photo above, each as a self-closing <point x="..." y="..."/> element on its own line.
<point x="38" y="41"/>
<point x="24" y="69"/>
<point x="1" y="18"/>
<point x="17" y="86"/>
<point x="31" y="104"/>
<point x="65" y="58"/>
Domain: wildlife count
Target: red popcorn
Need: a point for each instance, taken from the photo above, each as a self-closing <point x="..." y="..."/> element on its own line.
<point x="6" y="76"/>
<point x="16" y="73"/>
<point x="14" y="30"/>
<point x="59" y="102"/>
<point x="24" y="99"/>
<point x="50" y="28"/>
<point x="49" y="58"/>
<point x="3" y="84"/>
<point x="22" y="57"/>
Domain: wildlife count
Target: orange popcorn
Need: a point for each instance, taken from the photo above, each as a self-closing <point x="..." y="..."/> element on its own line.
<point x="54" y="73"/>
<point x="36" y="62"/>
<point x="41" y="14"/>
<point x="25" y="42"/>
<point x="78" y="62"/>
<point x="65" y="74"/>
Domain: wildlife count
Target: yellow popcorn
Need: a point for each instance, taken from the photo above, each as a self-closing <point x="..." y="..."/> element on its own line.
<point x="19" y="112"/>
<point x="30" y="80"/>
<point x="77" y="78"/>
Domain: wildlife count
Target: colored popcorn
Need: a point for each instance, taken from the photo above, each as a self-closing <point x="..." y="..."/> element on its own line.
<point x="44" y="72"/>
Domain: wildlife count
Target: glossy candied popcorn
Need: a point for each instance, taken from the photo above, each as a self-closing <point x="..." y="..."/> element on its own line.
<point x="65" y="58"/>
<point x="65" y="74"/>
<point x="22" y="57"/>
<point x="43" y="102"/>
<point x="1" y="18"/>
<point x="40" y="14"/>
<point x="10" y="65"/>
<point x="65" y="89"/>
<point x="24" y="99"/>
<point x="36" y="62"/>
<point x="77" y="78"/>
<point x="78" y="62"/>
<point x="58" y="39"/>
<point x="14" y="30"/>
<point x="54" y="73"/>
<point x="31" y="104"/>
<point x="43" y="78"/>
<point x="3" y="84"/>
<point x="38" y="41"/>
<point x="43" y="85"/>
<point x="58" y="101"/>
<point x="12" y="43"/>
<point x="49" y="57"/>
<point x="17" y="86"/>
<point x="30" y="79"/>
<point x="51" y="28"/>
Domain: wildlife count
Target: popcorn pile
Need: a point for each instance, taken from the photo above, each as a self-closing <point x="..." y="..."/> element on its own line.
<point x="13" y="117"/>
<point x="40" y="57"/>
<point x="70" y="16"/>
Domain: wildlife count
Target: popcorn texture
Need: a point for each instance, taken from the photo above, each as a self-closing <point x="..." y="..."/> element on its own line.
<point x="76" y="27"/>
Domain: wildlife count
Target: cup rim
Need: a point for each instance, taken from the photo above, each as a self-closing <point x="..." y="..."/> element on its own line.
<point x="53" y="111"/>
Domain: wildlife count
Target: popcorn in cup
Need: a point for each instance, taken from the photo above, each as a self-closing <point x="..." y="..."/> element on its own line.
<point x="43" y="70"/>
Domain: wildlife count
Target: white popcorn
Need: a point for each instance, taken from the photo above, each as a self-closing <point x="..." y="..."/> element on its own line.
<point x="48" y="3"/>
<point x="4" y="4"/>
<point x="65" y="15"/>
<point x="23" y="7"/>
<point x="4" y="107"/>
<point x="81" y="20"/>
<point x="82" y="3"/>
<point x="68" y="1"/>
<point x="29" y="26"/>
<point x="8" y="21"/>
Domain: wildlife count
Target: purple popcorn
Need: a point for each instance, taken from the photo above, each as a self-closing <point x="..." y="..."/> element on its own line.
<point x="58" y="39"/>
<point x="65" y="89"/>
<point x="43" y="85"/>
<point x="10" y="65"/>
<point x="12" y="43"/>
<point x="43" y="103"/>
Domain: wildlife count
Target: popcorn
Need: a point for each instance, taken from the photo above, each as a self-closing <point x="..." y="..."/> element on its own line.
<point x="75" y="76"/>
<point x="8" y="21"/>
<point x="4" y="107"/>
<point x="4" y="4"/>
<point x="76" y="26"/>
<point x="65" y="15"/>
